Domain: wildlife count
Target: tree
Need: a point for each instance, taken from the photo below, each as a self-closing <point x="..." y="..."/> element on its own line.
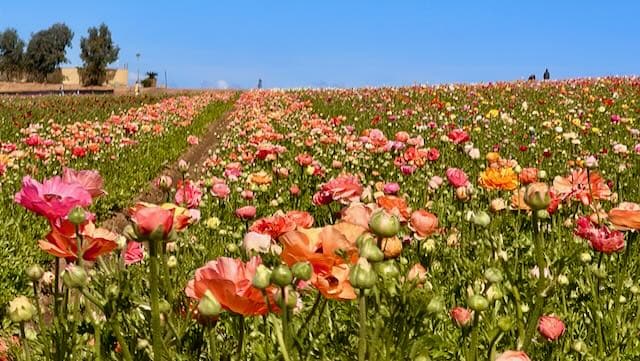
<point x="97" y="51"/>
<point x="11" y="53"/>
<point x="47" y="49"/>
<point x="151" y="80"/>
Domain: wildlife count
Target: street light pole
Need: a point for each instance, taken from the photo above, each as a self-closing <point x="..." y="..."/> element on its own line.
<point x="138" y="71"/>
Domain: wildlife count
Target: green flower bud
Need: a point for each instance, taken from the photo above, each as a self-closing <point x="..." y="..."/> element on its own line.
<point x="77" y="216"/>
<point x="537" y="196"/>
<point x="543" y="214"/>
<point x="281" y="275"/>
<point x="563" y="280"/>
<point x="384" y="225"/>
<point x="362" y="276"/>
<point x="232" y="247"/>
<point x="302" y="271"/>
<point x="35" y="273"/>
<point x="164" y="306"/>
<point x="209" y="306"/>
<point x="21" y="309"/>
<point x="580" y="347"/>
<point x="75" y="277"/>
<point x="130" y="233"/>
<point x="262" y="277"/>
<point x="505" y="323"/>
<point x="429" y="245"/>
<point x="585" y="257"/>
<point x="112" y="291"/>
<point x="494" y="293"/>
<point x="478" y="303"/>
<point x="371" y="252"/>
<point x="493" y="275"/>
<point x="172" y="262"/>
<point x="142" y="344"/>
<point x="435" y="306"/>
<point x="387" y="269"/>
<point x="481" y="219"/>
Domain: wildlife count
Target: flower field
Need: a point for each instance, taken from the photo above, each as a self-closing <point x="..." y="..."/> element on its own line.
<point x="454" y="222"/>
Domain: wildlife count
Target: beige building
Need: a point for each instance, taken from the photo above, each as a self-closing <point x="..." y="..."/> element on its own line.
<point x="116" y="78"/>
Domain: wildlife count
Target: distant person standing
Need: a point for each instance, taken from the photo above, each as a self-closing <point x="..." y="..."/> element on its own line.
<point x="546" y="75"/>
<point x="259" y="83"/>
<point x="136" y="89"/>
<point x="532" y="77"/>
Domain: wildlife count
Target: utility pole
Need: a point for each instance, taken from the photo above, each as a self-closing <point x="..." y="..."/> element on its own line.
<point x="165" y="79"/>
<point x="138" y="71"/>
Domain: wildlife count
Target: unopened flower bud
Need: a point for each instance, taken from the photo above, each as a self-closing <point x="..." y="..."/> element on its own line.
<point x="183" y="166"/>
<point x="77" y="216"/>
<point x="493" y="275"/>
<point x="585" y="257"/>
<point x="505" y="323"/>
<point x="75" y="277"/>
<point x="302" y="271"/>
<point x="384" y="225"/>
<point x="435" y="305"/>
<point x="172" y="262"/>
<point x="21" y="309"/>
<point x="537" y="196"/>
<point x="371" y="252"/>
<point x="481" y="219"/>
<point x="362" y="276"/>
<point x="262" y="277"/>
<point x="478" y="303"/>
<point x="164" y="306"/>
<point x="35" y="273"/>
<point x="281" y="275"/>
<point x="142" y="344"/>
<point x="209" y="306"/>
<point x="580" y="347"/>
<point x="387" y="269"/>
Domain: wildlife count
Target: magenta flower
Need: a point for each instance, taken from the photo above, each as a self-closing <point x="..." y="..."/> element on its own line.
<point x="52" y="198"/>
<point x="134" y="253"/>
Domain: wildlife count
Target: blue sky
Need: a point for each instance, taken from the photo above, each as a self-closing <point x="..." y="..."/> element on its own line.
<point x="350" y="43"/>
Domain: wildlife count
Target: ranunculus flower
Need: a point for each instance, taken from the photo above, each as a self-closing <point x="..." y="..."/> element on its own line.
<point x="626" y="216"/>
<point x="528" y="175"/>
<point x="396" y="206"/>
<point x="273" y="226"/>
<point x="458" y="136"/>
<point x="357" y="213"/>
<point x="417" y="274"/>
<point x="220" y="190"/>
<point x="90" y="180"/>
<point x="499" y="178"/>
<point x="150" y="220"/>
<point x="193" y="140"/>
<point x="457" y="177"/>
<point x="461" y="316"/>
<point x="513" y="356"/>
<point x="601" y="239"/>
<point x="423" y="223"/>
<point x="256" y="242"/>
<point x="53" y="198"/>
<point x="576" y="186"/>
<point x="300" y="218"/>
<point x="550" y="327"/>
<point x="230" y="282"/>
<point x="391" y="188"/>
<point x="62" y="242"/>
<point x="188" y="194"/>
<point x="344" y="189"/>
<point x="246" y="212"/>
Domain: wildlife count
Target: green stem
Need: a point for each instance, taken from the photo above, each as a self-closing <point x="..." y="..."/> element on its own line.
<point x="155" y="308"/>
<point x="362" y="342"/>
<point x="97" y="341"/>
<point x="473" y="352"/>
<point x="25" y="342"/>
<point x="213" y="344"/>
<point x="280" y="340"/>
<point x="36" y="296"/>
<point x="56" y="285"/>
<point x="121" y="341"/>
<point x="240" y="338"/>
<point x="285" y="316"/>
<point x="539" y="300"/>
<point x="492" y="347"/>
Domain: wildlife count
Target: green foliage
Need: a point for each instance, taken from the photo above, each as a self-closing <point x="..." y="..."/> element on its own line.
<point x="11" y="54"/>
<point x="47" y="49"/>
<point x="97" y="51"/>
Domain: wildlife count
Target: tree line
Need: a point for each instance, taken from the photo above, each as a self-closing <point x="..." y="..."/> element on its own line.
<point x="47" y="49"/>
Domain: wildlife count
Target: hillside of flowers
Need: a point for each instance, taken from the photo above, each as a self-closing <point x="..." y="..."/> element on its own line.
<point x="455" y="222"/>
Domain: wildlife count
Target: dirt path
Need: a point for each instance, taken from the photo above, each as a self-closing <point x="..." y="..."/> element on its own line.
<point x="195" y="155"/>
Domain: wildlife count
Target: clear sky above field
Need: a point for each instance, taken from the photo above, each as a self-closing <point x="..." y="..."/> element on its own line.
<point x="351" y="43"/>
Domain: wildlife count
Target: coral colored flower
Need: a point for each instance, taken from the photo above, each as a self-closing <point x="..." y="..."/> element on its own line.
<point x="273" y="226"/>
<point x="134" y="253"/>
<point x="580" y="187"/>
<point x="300" y="218"/>
<point x="246" y="212"/>
<point x="188" y="194"/>
<point x="304" y="159"/>
<point x="458" y="136"/>
<point x="193" y="140"/>
<point x="90" y="180"/>
<point x="461" y="316"/>
<point x="357" y="213"/>
<point x="550" y="327"/>
<point x="396" y="206"/>
<point x="417" y="273"/>
<point x="230" y="281"/>
<point x="260" y="178"/>
<point x="62" y="242"/>
<point x="513" y="356"/>
<point x="501" y="178"/>
<point x="626" y="216"/>
<point x="601" y="239"/>
<point x="457" y="177"/>
<point x="423" y="223"/>
<point x="344" y="189"/>
<point x="528" y="175"/>
<point x="328" y="251"/>
<point x="53" y="198"/>
<point x="220" y="190"/>
<point x="151" y="219"/>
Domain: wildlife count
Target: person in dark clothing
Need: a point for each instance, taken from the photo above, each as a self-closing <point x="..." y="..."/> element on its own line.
<point x="259" y="83"/>
<point x="546" y="75"/>
<point x="532" y="77"/>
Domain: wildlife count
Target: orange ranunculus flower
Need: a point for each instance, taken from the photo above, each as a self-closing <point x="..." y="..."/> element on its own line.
<point x="350" y="230"/>
<point x="528" y="175"/>
<point x="62" y="242"/>
<point x="260" y="178"/>
<point x="423" y="223"/>
<point x="396" y="206"/>
<point x="274" y="226"/>
<point x="230" y="282"/>
<point x="357" y="213"/>
<point x="300" y="218"/>
<point x="517" y="200"/>
<point x="501" y="178"/>
<point x="391" y="247"/>
<point x="329" y="252"/>
<point x="576" y="186"/>
<point x="626" y="216"/>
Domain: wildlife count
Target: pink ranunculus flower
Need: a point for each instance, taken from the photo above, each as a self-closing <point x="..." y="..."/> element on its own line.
<point x="220" y="190"/>
<point x="513" y="356"/>
<point x="550" y="327"/>
<point x="344" y="189"/>
<point x="53" y="198"/>
<point x="391" y="188"/>
<point x="457" y="177"/>
<point x="246" y="212"/>
<point x="256" y="242"/>
<point x="188" y="194"/>
<point x="458" y="136"/>
<point x="89" y="179"/>
<point x="134" y="253"/>
<point x="193" y="140"/>
<point x="461" y="316"/>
